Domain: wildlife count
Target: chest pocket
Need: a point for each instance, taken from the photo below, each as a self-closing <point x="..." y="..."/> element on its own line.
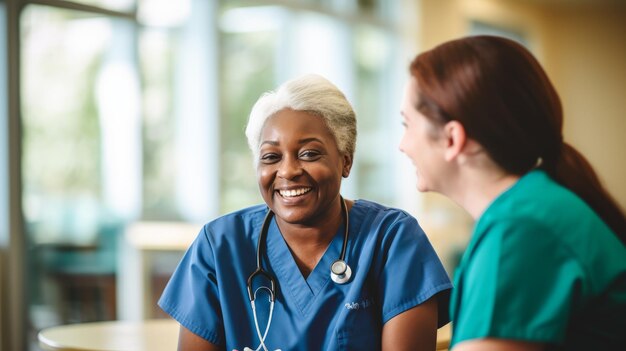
<point x="361" y="329"/>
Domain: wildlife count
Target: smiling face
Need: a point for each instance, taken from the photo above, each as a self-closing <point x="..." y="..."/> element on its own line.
<point x="421" y="143"/>
<point x="300" y="168"/>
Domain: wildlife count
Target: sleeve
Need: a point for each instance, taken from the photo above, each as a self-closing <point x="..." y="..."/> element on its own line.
<point x="519" y="283"/>
<point x="412" y="272"/>
<point x="192" y="296"/>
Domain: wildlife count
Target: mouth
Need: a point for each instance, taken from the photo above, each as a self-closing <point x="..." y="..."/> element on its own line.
<point x="292" y="193"/>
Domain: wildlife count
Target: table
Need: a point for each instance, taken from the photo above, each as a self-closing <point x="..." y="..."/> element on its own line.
<point x="444" y="334"/>
<point x="148" y="335"/>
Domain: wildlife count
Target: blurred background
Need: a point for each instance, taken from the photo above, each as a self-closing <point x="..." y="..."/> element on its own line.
<point x="121" y="126"/>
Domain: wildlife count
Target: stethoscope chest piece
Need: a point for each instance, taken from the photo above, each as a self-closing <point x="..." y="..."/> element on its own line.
<point x="340" y="272"/>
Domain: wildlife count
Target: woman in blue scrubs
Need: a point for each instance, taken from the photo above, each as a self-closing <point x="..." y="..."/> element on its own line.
<point x="545" y="268"/>
<point x="392" y="294"/>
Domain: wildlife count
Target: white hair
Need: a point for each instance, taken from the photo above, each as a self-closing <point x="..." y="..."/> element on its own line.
<point x="311" y="93"/>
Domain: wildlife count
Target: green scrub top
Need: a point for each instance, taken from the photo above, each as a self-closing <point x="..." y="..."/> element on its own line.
<point x="542" y="267"/>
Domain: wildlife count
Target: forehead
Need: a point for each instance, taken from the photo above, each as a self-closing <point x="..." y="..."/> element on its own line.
<point x="291" y="124"/>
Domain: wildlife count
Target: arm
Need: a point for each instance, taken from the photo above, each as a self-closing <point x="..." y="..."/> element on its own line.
<point x="414" y="329"/>
<point x="491" y="344"/>
<point x="188" y="341"/>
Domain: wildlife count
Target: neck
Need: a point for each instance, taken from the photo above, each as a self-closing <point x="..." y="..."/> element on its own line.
<point x="308" y="243"/>
<point x="318" y="231"/>
<point x="476" y="189"/>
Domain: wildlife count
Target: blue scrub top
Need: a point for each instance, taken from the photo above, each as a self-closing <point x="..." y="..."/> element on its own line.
<point x="394" y="268"/>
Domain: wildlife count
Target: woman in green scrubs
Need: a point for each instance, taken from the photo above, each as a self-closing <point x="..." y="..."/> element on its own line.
<point x="546" y="265"/>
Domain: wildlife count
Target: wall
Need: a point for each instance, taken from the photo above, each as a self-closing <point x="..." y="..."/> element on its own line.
<point x="586" y="57"/>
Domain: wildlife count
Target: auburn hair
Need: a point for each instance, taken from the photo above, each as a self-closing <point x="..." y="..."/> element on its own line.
<point x="504" y="99"/>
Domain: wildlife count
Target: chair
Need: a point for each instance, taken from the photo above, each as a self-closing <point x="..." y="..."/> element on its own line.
<point x="85" y="277"/>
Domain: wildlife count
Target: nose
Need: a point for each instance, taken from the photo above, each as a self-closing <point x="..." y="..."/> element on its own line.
<point x="289" y="168"/>
<point x="401" y="144"/>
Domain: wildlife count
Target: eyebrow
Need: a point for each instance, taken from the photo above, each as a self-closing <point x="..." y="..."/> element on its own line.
<point x="301" y="141"/>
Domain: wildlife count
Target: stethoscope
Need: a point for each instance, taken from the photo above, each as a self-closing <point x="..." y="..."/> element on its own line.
<point x="340" y="273"/>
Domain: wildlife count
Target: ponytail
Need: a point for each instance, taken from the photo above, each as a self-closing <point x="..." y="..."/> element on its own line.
<point x="574" y="172"/>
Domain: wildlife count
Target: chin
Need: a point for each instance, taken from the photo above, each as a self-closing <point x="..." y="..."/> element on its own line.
<point x="422" y="188"/>
<point x="291" y="216"/>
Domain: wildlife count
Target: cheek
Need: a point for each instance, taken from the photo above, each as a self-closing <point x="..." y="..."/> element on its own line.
<point x="327" y="178"/>
<point x="264" y="177"/>
<point x="320" y="175"/>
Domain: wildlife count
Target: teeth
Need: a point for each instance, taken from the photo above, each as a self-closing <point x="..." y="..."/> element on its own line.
<point x="294" y="192"/>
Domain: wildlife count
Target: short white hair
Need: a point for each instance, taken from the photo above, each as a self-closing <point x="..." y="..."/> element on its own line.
<point x="311" y="93"/>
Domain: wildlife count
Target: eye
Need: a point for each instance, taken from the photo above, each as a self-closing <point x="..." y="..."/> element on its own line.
<point x="269" y="158"/>
<point x="309" y="155"/>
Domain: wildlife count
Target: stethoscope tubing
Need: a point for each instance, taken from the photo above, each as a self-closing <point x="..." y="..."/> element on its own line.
<point x="260" y="251"/>
<point x="259" y="266"/>
<point x="338" y="277"/>
<point x="346" y="220"/>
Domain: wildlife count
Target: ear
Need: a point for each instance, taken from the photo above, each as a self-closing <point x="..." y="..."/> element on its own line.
<point x="455" y="140"/>
<point x="347" y="165"/>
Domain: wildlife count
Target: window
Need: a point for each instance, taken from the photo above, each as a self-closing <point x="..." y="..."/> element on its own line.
<point x="80" y="147"/>
<point x="135" y="110"/>
<point x="4" y="183"/>
<point x="350" y="43"/>
<point x="482" y="28"/>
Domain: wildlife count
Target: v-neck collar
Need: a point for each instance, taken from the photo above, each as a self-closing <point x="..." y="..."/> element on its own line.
<point x="290" y="279"/>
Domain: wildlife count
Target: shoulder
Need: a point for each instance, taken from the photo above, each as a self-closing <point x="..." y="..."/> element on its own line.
<point x="514" y="240"/>
<point x="235" y="224"/>
<point x="565" y="248"/>
<point x="537" y="197"/>
<point x="243" y="215"/>
<point x="546" y="211"/>
<point x="387" y="222"/>
<point x="377" y="212"/>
